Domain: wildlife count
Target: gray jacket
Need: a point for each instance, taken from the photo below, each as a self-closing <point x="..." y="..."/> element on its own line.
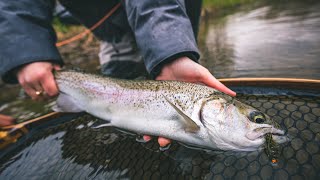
<point x="164" y="29"/>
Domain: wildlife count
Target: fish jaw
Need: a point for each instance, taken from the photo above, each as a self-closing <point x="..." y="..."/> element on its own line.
<point x="278" y="135"/>
<point x="261" y="131"/>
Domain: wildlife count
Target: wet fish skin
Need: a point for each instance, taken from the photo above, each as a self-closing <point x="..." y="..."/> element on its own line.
<point x="190" y="113"/>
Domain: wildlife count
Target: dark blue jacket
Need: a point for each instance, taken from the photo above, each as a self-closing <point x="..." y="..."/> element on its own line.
<point x="162" y="29"/>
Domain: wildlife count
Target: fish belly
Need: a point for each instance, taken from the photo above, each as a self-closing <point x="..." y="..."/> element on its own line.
<point x="157" y="122"/>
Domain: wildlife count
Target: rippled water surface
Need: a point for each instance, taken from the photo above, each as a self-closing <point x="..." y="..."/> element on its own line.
<point x="275" y="39"/>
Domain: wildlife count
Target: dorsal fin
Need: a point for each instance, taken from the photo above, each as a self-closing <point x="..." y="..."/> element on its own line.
<point x="190" y="125"/>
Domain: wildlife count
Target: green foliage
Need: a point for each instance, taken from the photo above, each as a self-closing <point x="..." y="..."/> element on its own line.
<point x="59" y="26"/>
<point x="225" y="3"/>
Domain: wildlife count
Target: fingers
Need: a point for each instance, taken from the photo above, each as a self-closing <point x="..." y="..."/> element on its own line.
<point x="146" y="138"/>
<point x="32" y="87"/>
<point x="29" y="90"/>
<point x="211" y="81"/>
<point x="184" y="69"/>
<point x="49" y="85"/>
<point x="37" y="91"/>
<point x="163" y="141"/>
<point x="37" y="80"/>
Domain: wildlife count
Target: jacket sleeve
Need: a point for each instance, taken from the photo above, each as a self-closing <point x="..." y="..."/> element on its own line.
<point x="26" y="35"/>
<point x="163" y="31"/>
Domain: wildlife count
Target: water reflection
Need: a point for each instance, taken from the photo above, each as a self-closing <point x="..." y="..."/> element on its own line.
<point x="273" y="40"/>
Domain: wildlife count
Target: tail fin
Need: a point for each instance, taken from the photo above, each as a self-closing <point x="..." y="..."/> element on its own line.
<point x="65" y="103"/>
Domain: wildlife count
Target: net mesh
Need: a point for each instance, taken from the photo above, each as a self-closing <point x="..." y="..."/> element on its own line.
<point x="74" y="150"/>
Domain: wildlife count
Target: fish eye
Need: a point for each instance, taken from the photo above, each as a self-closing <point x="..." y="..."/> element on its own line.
<point x="257" y="117"/>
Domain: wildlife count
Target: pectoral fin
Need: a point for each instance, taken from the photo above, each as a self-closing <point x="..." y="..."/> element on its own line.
<point x="190" y="125"/>
<point x="65" y="103"/>
<point x="103" y="125"/>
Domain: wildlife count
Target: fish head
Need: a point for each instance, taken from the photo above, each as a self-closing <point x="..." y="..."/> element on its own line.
<point x="237" y="126"/>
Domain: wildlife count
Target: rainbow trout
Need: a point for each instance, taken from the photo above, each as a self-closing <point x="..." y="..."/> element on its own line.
<point x="190" y="113"/>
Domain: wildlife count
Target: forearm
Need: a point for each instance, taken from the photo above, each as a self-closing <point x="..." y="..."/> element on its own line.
<point x="163" y="31"/>
<point x="26" y="35"/>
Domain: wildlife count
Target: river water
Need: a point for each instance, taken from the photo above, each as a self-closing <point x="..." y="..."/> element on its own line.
<point x="272" y="39"/>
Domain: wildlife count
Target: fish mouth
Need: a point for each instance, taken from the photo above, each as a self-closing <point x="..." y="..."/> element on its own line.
<point x="260" y="132"/>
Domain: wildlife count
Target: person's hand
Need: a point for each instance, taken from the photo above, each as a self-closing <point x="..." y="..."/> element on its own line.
<point x="37" y="80"/>
<point x="184" y="69"/>
<point x="6" y="120"/>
